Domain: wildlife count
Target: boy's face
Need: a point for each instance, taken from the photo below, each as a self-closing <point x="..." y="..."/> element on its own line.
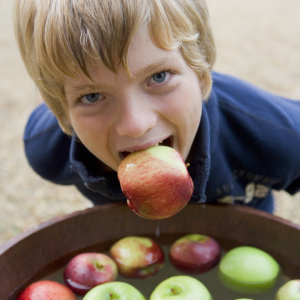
<point x="162" y="102"/>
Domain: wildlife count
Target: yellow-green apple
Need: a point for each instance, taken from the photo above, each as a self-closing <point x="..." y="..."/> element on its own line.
<point x="137" y="257"/>
<point x="46" y="290"/>
<point x="114" y="291"/>
<point x="289" y="291"/>
<point x="181" y="288"/>
<point x="87" y="270"/>
<point x="194" y="253"/>
<point x="156" y="182"/>
<point x="248" y="270"/>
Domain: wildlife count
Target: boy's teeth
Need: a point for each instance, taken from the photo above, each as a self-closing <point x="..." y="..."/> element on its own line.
<point x="157" y="144"/>
<point x="152" y="146"/>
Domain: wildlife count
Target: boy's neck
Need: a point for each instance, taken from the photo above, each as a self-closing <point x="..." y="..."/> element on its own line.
<point x="104" y="167"/>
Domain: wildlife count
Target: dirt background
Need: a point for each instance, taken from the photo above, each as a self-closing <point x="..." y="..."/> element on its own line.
<point x="257" y="40"/>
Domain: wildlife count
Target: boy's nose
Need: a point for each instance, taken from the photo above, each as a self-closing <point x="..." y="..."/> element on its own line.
<point x="135" y="118"/>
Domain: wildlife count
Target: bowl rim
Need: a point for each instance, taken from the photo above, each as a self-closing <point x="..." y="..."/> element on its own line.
<point x="50" y="244"/>
<point x="55" y="220"/>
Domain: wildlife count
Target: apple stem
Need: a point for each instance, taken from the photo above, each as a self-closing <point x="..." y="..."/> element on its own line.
<point x="187" y="165"/>
<point x="174" y="292"/>
<point x="99" y="266"/>
<point x="111" y="296"/>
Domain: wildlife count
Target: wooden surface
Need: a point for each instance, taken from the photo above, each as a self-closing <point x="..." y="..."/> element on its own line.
<point x="39" y="251"/>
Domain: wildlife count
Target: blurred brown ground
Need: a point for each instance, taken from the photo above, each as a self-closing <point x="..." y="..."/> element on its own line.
<point x="256" y="40"/>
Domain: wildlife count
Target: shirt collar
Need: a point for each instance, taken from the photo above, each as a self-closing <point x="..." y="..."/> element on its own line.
<point x="200" y="163"/>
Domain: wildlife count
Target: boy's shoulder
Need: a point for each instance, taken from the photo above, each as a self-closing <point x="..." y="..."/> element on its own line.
<point x="238" y="97"/>
<point x="255" y="139"/>
<point x="40" y="121"/>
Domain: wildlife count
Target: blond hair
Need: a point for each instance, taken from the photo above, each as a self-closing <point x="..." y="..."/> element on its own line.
<point x="57" y="38"/>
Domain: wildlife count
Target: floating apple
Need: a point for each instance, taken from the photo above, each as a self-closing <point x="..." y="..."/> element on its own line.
<point x="137" y="257"/>
<point x="194" y="253"/>
<point x="87" y="270"/>
<point x="289" y="291"/>
<point x="248" y="270"/>
<point x="181" y="288"/>
<point x="114" y="291"/>
<point x="156" y="182"/>
<point x="46" y="290"/>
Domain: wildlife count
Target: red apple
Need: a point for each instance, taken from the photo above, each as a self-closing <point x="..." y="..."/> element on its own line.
<point x="156" y="182"/>
<point x="194" y="253"/>
<point x="137" y="257"/>
<point x="46" y="290"/>
<point x="87" y="270"/>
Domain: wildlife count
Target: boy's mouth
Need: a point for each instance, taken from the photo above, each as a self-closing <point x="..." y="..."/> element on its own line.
<point x="166" y="142"/>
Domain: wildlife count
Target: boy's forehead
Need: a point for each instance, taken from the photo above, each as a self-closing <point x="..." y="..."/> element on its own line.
<point x="143" y="55"/>
<point x="143" y="58"/>
<point x="143" y="52"/>
<point x="101" y="75"/>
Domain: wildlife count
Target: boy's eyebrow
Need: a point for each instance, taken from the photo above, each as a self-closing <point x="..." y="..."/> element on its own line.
<point x="144" y="71"/>
<point x="148" y="69"/>
<point x="86" y="88"/>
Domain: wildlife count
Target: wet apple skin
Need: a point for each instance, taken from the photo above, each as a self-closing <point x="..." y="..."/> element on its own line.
<point x="46" y="290"/>
<point x="195" y="254"/>
<point x="156" y="182"/>
<point x="87" y="270"/>
<point x="145" y="257"/>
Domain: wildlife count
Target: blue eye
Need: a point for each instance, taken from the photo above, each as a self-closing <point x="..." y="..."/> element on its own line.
<point x="92" y="97"/>
<point x="159" y="77"/>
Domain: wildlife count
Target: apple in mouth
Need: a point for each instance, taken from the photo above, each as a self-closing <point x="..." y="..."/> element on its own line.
<point x="166" y="142"/>
<point x="156" y="182"/>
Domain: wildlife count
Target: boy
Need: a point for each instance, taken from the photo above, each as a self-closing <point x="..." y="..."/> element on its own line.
<point x="123" y="75"/>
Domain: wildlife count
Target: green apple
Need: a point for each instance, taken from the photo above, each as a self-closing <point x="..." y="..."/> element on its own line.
<point x="181" y="288"/>
<point x="114" y="291"/>
<point x="248" y="270"/>
<point x="289" y="291"/>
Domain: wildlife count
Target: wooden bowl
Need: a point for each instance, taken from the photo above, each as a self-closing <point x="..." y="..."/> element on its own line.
<point x="47" y="247"/>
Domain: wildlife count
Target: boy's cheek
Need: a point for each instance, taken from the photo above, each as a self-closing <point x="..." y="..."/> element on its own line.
<point x="184" y="107"/>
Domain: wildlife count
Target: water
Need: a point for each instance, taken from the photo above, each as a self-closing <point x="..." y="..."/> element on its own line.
<point x="209" y="279"/>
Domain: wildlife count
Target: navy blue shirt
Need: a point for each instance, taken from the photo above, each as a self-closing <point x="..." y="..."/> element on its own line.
<point x="247" y="143"/>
